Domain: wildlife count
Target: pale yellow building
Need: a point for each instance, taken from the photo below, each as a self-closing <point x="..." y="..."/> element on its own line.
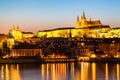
<point x="18" y="35"/>
<point x="10" y="42"/>
<point x="114" y="33"/>
<point x="27" y="34"/>
<point x="15" y="33"/>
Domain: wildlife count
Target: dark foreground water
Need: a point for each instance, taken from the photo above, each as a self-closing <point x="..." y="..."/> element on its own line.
<point x="60" y="71"/>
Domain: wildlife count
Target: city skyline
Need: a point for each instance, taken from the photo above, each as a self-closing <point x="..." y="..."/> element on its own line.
<point x="35" y="15"/>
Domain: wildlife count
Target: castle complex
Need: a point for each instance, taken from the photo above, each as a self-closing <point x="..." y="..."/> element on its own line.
<point x="84" y="23"/>
<point x="90" y="31"/>
<point x="84" y="28"/>
<point x="17" y="34"/>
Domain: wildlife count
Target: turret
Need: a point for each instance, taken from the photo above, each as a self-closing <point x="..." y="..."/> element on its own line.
<point x="83" y="20"/>
<point x="77" y="22"/>
<point x="83" y="16"/>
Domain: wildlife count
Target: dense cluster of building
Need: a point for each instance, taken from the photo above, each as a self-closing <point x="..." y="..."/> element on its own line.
<point x="86" y="38"/>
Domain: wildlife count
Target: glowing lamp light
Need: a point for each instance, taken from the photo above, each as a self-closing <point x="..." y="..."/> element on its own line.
<point x="93" y="56"/>
<point x="116" y="56"/>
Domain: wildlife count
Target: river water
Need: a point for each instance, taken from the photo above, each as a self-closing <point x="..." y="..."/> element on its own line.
<point x="60" y="71"/>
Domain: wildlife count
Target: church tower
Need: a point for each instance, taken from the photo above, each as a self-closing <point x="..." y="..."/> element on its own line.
<point x="82" y="23"/>
<point x="83" y="20"/>
<point x="77" y="22"/>
<point x="15" y="33"/>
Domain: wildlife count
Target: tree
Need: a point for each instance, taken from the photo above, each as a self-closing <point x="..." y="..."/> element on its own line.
<point x="5" y="50"/>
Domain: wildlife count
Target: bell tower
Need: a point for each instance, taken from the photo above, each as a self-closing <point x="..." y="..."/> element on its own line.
<point x="83" y="20"/>
<point x="77" y="22"/>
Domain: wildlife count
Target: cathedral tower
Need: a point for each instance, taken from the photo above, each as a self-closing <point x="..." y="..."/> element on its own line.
<point x="83" y="20"/>
<point x="82" y="23"/>
<point x="77" y="22"/>
<point x="86" y="23"/>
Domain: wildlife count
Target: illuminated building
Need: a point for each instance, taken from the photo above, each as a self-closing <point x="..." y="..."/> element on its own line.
<point x="84" y="28"/>
<point x="10" y="42"/>
<point x="15" y="33"/>
<point x="114" y="33"/>
<point x="27" y="34"/>
<point x="110" y="48"/>
<point x="84" y="23"/>
<point x="18" y="35"/>
<point x="26" y="49"/>
<point x="3" y="38"/>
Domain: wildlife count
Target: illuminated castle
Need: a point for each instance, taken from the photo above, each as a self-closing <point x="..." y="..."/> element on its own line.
<point x="84" y="23"/>
<point x="17" y="34"/>
<point x="84" y="28"/>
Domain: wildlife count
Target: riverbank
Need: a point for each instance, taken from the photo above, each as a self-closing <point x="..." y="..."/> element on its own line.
<point x="58" y="60"/>
<point x="50" y="60"/>
<point x="105" y="60"/>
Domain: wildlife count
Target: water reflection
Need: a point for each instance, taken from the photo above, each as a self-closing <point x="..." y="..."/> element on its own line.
<point x="15" y="72"/>
<point x="93" y="71"/>
<point x="2" y="72"/>
<point x="10" y="72"/>
<point x="118" y="71"/>
<point x="84" y="71"/>
<point x="54" y="71"/>
<point x="106" y="71"/>
<point x="60" y="71"/>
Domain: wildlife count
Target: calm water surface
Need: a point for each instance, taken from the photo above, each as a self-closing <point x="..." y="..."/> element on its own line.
<point x="60" y="71"/>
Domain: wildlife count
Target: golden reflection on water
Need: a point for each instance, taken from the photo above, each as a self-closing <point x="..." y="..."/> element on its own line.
<point x="82" y="73"/>
<point x="7" y="72"/>
<point x="2" y="72"/>
<point x="10" y="72"/>
<point x="106" y="71"/>
<point x="15" y="72"/>
<point x="54" y="71"/>
<point x="43" y="71"/>
<point x="63" y="71"/>
<point x="118" y="71"/>
<point x="72" y="71"/>
<point x="93" y="71"/>
<point x="84" y="70"/>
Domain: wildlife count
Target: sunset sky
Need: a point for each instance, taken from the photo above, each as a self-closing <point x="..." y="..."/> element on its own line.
<point x="35" y="15"/>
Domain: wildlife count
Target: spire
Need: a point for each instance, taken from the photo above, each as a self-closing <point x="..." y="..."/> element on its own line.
<point x="77" y="18"/>
<point x="90" y="18"/>
<point x="17" y="27"/>
<point x="77" y="22"/>
<point x="83" y="16"/>
<point x="13" y="26"/>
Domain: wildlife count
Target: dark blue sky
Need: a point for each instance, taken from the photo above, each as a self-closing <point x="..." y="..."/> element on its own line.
<point x="35" y="15"/>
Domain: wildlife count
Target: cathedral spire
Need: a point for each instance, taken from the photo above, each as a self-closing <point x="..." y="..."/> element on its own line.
<point x="13" y="26"/>
<point x="77" y="18"/>
<point x="83" y="13"/>
<point x="90" y="18"/>
<point x="77" y="22"/>
<point x="83" y="16"/>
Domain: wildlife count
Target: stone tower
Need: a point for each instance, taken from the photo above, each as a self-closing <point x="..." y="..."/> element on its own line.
<point x="82" y="23"/>
<point x="83" y="20"/>
<point x="77" y="22"/>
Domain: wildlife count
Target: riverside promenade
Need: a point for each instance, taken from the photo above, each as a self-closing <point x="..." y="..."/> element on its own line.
<point x="58" y="60"/>
<point x="49" y="60"/>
